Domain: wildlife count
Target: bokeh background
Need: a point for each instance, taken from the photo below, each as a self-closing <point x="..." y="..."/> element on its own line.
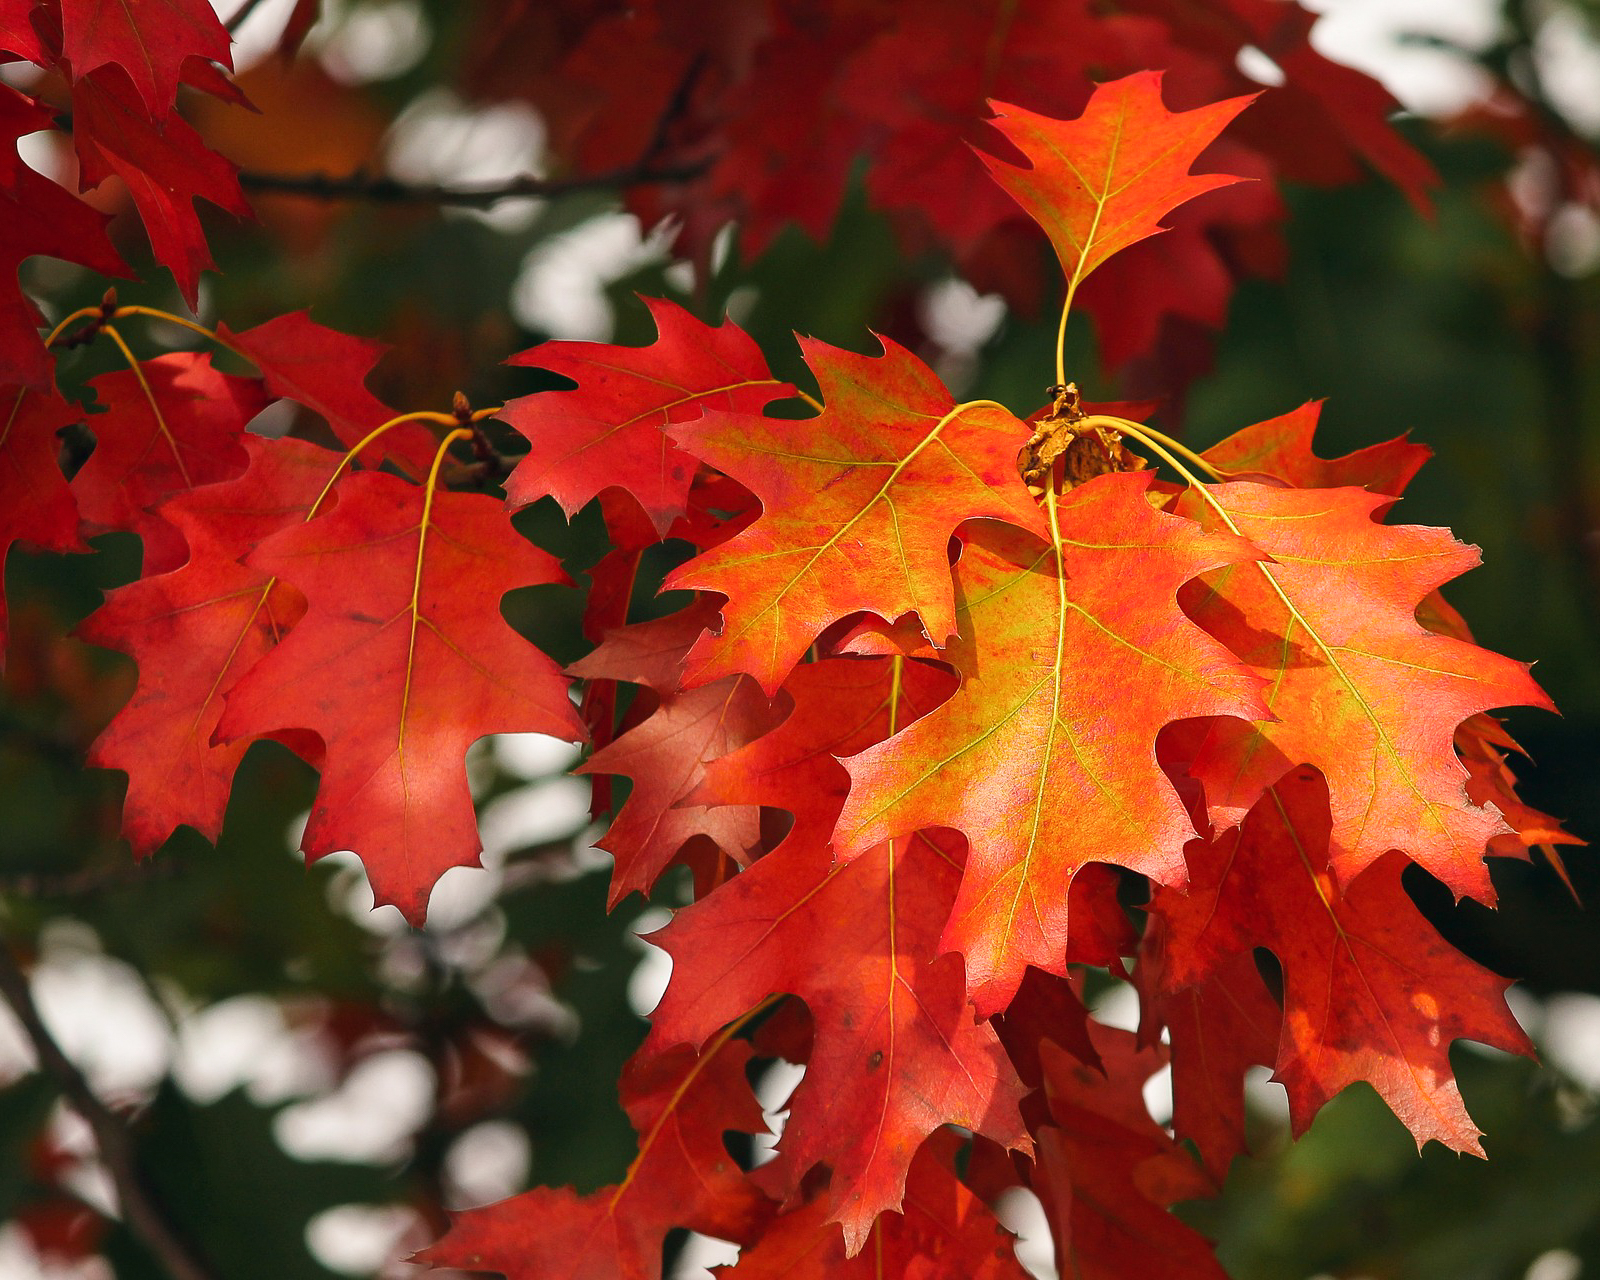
<point x="313" y="1082"/>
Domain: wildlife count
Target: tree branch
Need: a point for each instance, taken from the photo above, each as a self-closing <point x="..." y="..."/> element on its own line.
<point x="111" y="1134"/>
<point x="381" y="189"/>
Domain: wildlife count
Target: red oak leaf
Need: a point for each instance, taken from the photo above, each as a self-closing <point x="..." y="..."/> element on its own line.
<point x="165" y="165"/>
<point x="172" y="425"/>
<point x="665" y="756"/>
<point x="897" y="1053"/>
<point x="1107" y="1172"/>
<point x="1217" y="1029"/>
<point x="1045" y="757"/>
<point x="841" y="706"/>
<point x="37" y="216"/>
<point x="399" y="671"/>
<point x="36" y="506"/>
<point x="666" y="753"/>
<point x="194" y="632"/>
<point x="1103" y="182"/>
<point x="151" y="46"/>
<point x="858" y="505"/>
<point x="680" y="1103"/>
<point x="1356" y="685"/>
<point x="944" y="1232"/>
<point x="1281" y="448"/>
<point x="611" y="430"/>
<point x="326" y="371"/>
<point x="1371" y="992"/>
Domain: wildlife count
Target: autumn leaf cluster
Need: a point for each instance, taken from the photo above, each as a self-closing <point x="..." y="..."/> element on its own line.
<point x="945" y="705"/>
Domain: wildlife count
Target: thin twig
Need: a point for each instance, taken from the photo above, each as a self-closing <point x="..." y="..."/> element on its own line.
<point x="244" y="11"/>
<point x="385" y="190"/>
<point x="88" y="883"/>
<point x="111" y="1134"/>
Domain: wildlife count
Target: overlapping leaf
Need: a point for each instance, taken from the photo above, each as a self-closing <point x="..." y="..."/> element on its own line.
<point x="1073" y="656"/>
<point x="173" y="424"/>
<point x="37" y="216"/>
<point x="1355" y="684"/>
<point x="151" y="43"/>
<point x="611" y="430"/>
<point x="841" y="706"/>
<point x="943" y="1233"/>
<point x="194" y="632"/>
<point x="858" y="505"/>
<point x="166" y="167"/>
<point x="680" y="1102"/>
<point x="1107" y="1172"/>
<point x="399" y="671"/>
<point x="1371" y="992"/>
<point x="897" y="1053"/>
<point x="326" y="371"/>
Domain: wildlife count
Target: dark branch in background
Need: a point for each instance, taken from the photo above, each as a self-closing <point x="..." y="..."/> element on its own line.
<point x="139" y="1208"/>
<point x="385" y="190"/>
<point x="647" y="170"/>
<point x="89" y="882"/>
<point x="244" y="11"/>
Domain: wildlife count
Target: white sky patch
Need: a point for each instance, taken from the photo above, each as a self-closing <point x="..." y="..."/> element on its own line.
<point x="357" y="1239"/>
<point x="1118" y="1007"/>
<point x="375" y="41"/>
<point x="1366" y="34"/>
<point x="1020" y="1212"/>
<point x="560" y="289"/>
<point x="103" y="1018"/>
<point x="439" y="139"/>
<point x="1568" y="58"/>
<point x="700" y="1254"/>
<point x="370" y="1118"/>
<point x="648" y="981"/>
<point x="958" y="317"/>
<point x="532" y="756"/>
<point x="1570" y="1036"/>
<point x="488" y="1162"/>
<point x="246" y="1042"/>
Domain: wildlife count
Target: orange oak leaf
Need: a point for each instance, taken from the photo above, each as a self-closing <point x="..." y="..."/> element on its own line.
<point x="1280" y="447"/>
<point x="611" y="430"/>
<point x="194" y="632"/>
<point x="166" y="168"/>
<point x="172" y="425"/>
<point x="943" y="1232"/>
<point x="326" y="371"/>
<point x="150" y="43"/>
<point x="1045" y="757"/>
<point x="841" y="706"/>
<point x="1371" y="992"/>
<point x="1356" y="685"/>
<point x="37" y="217"/>
<point x="897" y="1053"/>
<point x="1103" y="182"/>
<point x="1106" y="1171"/>
<point x="37" y="508"/>
<point x="858" y="505"/>
<point x="398" y="671"/>
<point x="680" y="1103"/>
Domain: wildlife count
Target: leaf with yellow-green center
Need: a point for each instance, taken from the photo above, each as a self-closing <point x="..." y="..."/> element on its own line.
<point x="1072" y="656"/>
<point x="858" y="505"/>
<point x="1103" y="182"/>
<point x="1356" y="685"/>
